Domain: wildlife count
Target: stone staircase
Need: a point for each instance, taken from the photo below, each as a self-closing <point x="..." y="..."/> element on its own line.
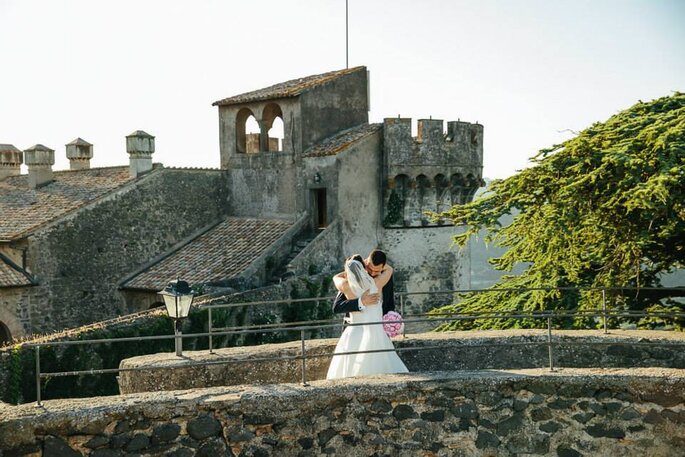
<point x="284" y="271"/>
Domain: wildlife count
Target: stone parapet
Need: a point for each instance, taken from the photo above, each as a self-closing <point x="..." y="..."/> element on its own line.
<point x="444" y="351"/>
<point x="573" y="412"/>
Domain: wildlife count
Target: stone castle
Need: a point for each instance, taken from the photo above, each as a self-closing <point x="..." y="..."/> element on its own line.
<point x="85" y="244"/>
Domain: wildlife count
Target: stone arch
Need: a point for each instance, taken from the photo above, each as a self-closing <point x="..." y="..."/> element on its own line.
<point x="5" y="334"/>
<point x="241" y="133"/>
<point x="457" y="184"/>
<point x="274" y="125"/>
<point x="423" y="185"/>
<point x="472" y="185"/>
<point x="403" y="184"/>
<point x="398" y="190"/>
<point x="441" y="192"/>
<point x="424" y="197"/>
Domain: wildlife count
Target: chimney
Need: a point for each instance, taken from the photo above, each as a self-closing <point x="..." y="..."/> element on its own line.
<point x="79" y="153"/>
<point x="140" y="146"/>
<point x="10" y="160"/>
<point x="40" y="160"/>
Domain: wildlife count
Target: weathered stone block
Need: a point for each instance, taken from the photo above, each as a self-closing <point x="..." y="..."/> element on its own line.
<point x="139" y="442"/>
<point x="565" y="451"/>
<point x="510" y="424"/>
<point x="203" y="427"/>
<point x="601" y="430"/>
<point x="540" y="414"/>
<point x="56" y="447"/>
<point x="96" y="442"/>
<point x="165" y="432"/>
<point x="486" y="440"/>
<point x="403" y="412"/>
<point x="550" y="427"/>
<point x="434" y="416"/>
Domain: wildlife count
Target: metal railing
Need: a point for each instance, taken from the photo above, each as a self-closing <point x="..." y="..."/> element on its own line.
<point x="308" y="326"/>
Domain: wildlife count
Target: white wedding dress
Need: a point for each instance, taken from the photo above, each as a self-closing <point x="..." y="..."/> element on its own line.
<point x="365" y="338"/>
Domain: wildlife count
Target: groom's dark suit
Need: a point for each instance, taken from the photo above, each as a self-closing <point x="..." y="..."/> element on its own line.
<point x="342" y="305"/>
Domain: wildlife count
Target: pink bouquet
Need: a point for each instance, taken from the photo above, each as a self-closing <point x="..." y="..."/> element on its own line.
<point x="392" y="323"/>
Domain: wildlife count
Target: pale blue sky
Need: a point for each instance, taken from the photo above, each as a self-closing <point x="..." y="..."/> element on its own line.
<point x="529" y="71"/>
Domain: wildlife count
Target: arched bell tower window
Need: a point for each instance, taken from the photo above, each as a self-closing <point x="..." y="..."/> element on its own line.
<point x="272" y="118"/>
<point x="246" y="127"/>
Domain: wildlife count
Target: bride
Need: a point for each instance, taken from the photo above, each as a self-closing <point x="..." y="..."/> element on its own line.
<point x="370" y="337"/>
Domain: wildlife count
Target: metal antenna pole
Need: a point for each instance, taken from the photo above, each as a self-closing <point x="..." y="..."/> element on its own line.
<point x="347" y="45"/>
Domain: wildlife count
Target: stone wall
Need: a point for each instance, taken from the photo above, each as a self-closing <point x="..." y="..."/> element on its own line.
<point x="265" y="184"/>
<point x="322" y="254"/>
<point x="359" y="197"/>
<point x="79" y="262"/>
<point x="336" y="105"/>
<point x="503" y="413"/>
<point x="15" y="309"/>
<point x="425" y="260"/>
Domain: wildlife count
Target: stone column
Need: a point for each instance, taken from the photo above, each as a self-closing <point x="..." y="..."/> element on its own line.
<point x="10" y="160"/>
<point x="40" y="160"/>
<point x="79" y="153"/>
<point x="140" y="146"/>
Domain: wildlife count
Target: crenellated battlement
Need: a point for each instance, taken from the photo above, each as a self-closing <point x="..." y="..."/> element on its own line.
<point x="430" y="172"/>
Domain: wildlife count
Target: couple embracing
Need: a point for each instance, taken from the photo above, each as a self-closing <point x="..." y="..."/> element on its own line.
<point x="365" y="294"/>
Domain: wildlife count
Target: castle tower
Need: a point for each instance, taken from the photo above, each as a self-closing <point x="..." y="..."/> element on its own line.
<point x="431" y="172"/>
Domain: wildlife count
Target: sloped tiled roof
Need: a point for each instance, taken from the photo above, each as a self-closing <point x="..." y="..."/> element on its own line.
<point x="286" y="89"/>
<point x="339" y="142"/>
<point x="221" y="253"/>
<point x="12" y="275"/>
<point x="22" y="210"/>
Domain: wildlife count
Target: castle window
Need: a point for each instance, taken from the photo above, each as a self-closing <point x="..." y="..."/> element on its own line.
<point x="246" y="128"/>
<point x="272" y="118"/>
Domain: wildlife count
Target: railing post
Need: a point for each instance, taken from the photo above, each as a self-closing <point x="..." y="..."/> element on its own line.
<point x="604" y="310"/>
<point x="38" y="403"/>
<point x="549" y="342"/>
<point x="404" y="327"/>
<point x="209" y="325"/>
<point x="179" y="339"/>
<point x="304" y="360"/>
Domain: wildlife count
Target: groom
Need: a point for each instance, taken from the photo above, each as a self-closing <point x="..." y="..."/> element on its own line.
<point x="374" y="263"/>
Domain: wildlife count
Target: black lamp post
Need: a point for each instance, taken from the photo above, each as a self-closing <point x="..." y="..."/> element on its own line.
<point x="178" y="296"/>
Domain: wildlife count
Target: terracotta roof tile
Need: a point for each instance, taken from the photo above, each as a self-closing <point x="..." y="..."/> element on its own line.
<point x="339" y="142"/>
<point x="22" y="210"/>
<point x="221" y="253"/>
<point x="12" y="275"/>
<point x="286" y="89"/>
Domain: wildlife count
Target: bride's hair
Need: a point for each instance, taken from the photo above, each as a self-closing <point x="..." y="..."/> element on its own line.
<point x="357" y="277"/>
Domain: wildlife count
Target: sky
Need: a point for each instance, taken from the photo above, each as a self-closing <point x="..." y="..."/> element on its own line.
<point x="533" y="72"/>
